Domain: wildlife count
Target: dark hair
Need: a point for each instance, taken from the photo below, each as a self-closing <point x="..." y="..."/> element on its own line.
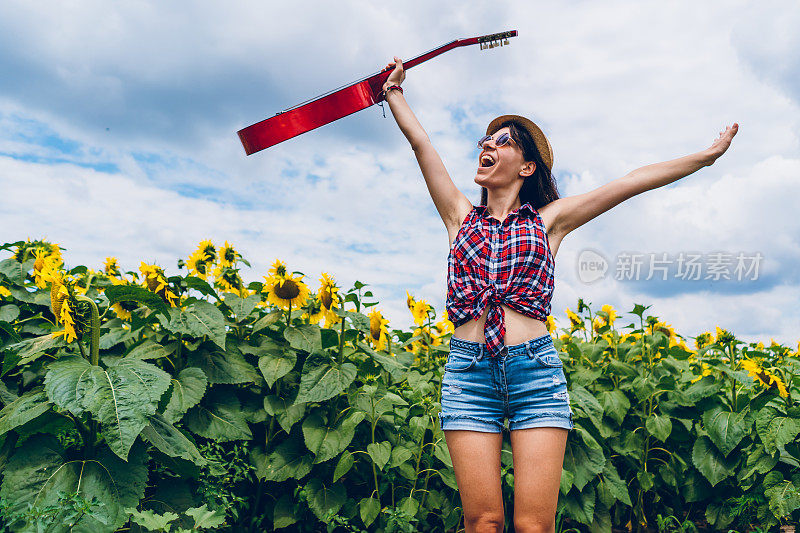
<point x="539" y="188"/>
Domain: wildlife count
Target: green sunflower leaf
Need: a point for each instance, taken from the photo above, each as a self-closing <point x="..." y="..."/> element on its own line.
<point x="323" y="379"/>
<point x="219" y="417"/>
<point x="121" y="398"/>
<point x="38" y="472"/>
<point x="187" y="391"/>
<point x="198" y="319"/>
<point x="241" y="307"/>
<point x="325" y="499"/>
<point x="27" y="407"/>
<point x="169" y="440"/>
<point x="132" y="293"/>
<point x="328" y="441"/>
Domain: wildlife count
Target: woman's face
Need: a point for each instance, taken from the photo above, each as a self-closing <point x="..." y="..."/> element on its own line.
<point x="508" y="163"/>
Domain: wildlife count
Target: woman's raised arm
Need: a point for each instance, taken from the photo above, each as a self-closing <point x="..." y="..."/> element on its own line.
<point x="572" y="212"/>
<point x="447" y="198"/>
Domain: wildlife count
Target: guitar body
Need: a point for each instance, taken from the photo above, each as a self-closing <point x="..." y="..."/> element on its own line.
<point x="312" y="115"/>
<point x="342" y="102"/>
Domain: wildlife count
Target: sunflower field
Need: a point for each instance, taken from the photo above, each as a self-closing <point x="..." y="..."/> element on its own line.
<point x="138" y="401"/>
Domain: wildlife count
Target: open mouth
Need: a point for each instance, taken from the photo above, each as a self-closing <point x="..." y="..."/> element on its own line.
<point x="487" y="161"/>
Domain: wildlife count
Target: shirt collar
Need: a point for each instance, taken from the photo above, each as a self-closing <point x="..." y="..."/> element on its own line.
<point x="484" y="210"/>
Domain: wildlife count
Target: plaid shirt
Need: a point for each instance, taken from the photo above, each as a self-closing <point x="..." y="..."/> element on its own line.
<point x="492" y="263"/>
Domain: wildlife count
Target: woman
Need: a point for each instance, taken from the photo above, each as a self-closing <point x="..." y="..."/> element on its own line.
<point x="502" y="360"/>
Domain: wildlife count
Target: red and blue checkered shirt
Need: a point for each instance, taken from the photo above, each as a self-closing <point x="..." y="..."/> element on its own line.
<point x="493" y="262"/>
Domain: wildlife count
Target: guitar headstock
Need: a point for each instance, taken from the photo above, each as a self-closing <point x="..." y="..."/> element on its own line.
<point x="496" y="39"/>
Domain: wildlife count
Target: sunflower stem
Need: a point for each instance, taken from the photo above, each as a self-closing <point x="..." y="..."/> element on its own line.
<point x="341" y="342"/>
<point x="83" y="352"/>
<point x="94" y="359"/>
<point x="95" y="329"/>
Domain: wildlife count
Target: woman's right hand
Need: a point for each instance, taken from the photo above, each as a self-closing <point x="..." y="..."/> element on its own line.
<point x="398" y="74"/>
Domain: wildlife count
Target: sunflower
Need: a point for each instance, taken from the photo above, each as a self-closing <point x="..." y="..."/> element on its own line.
<point x="610" y="313"/>
<point x="284" y="290"/>
<point x="420" y="312"/>
<point x="329" y="299"/>
<point x="550" y="322"/>
<point x="124" y="308"/>
<point x="663" y="327"/>
<point x="41" y="253"/>
<point x="56" y="296"/>
<point x="228" y="279"/>
<point x="444" y="326"/>
<point x="28" y="250"/>
<point x="409" y="300"/>
<point x="703" y="340"/>
<point x="155" y="281"/>
<point x="724" y="336"/>
<point x="66" y="308"/>
<point x="228" y="255"/>
<point x="278" y="268"/>
<point x="45" y="264"/>
<point x="121" y="311"/>
<point x="199" y="264"/>
<point x="315" y="311"/>
<point x="111" y="267"/>
<point x="575" y="322"/>
<point x="4" y="291"/>
<point x="764" y="376"/>
<point x="207" y="249"/>
<point x="377" y="330"/>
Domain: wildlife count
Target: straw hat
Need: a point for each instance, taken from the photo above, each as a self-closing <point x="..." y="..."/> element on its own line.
<point x="538" y="137"/>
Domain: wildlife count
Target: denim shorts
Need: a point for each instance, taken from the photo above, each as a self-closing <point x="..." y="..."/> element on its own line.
<point x="525" y="383"/>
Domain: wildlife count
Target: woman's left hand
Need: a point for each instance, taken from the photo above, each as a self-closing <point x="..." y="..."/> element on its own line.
<point x="722" y="143"/>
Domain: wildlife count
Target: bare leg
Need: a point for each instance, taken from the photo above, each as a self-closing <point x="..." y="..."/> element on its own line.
<point x="538" y="455"/>
<point x="476" y="461"/>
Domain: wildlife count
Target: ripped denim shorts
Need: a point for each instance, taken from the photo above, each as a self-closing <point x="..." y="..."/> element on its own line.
<point x="525" y="383"/>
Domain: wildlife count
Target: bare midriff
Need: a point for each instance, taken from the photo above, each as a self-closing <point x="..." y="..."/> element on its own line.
<point x="519" y="328"/>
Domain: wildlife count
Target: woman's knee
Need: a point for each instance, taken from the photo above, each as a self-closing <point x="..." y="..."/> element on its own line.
<point x="489" y="522"/>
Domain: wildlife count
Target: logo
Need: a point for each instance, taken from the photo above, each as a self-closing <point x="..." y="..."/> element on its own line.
<point x="591" y="266"/>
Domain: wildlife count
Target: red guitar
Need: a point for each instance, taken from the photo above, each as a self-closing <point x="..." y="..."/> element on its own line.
<point x="344" y="101"/>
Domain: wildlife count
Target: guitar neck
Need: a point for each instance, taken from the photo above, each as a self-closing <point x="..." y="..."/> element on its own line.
<point x="488" y="40"/>
<point x="376" y="80"/>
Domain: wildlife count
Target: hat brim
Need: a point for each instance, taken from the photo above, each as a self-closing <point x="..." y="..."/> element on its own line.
<point x="542" y="143"/>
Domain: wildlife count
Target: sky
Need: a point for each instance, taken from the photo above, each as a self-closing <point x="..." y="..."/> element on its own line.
<point x="118" y="126"/>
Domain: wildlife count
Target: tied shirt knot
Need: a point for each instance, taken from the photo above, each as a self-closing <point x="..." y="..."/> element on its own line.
<point x="494" y="330"/>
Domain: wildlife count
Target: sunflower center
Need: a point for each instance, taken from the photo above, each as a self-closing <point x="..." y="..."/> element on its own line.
<point x="288" y="290"/>
<point x="326" y="297"/>
<point x="375" y="328"/>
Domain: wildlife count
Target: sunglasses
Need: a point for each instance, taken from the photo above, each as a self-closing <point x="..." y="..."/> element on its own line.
<point x="504" y="138"/>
